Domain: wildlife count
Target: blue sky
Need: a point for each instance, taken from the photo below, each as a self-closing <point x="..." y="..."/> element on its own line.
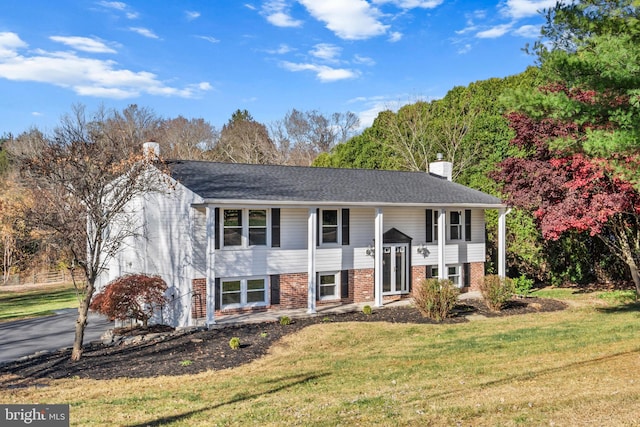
<point x="207" y="58"/>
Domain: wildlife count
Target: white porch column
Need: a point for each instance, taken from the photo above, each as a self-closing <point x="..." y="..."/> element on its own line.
<point x="377" y="259"/>
<point x="211" y="277"/>
<point x="502" y="242"/>
<point x="312" y="244"/>
<point x="442" y="243"/>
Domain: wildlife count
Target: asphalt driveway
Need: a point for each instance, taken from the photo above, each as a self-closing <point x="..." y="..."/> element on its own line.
<point x="24" y="337"/>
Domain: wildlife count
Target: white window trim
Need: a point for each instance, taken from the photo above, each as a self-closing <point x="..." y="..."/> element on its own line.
<point x="336" y="295"/>
<point x="245" y="228"/>
<point x="459" y="226"/>
<point x="458" y="274"/>
<point x="339" y="226"/>
<point x="243" y="292"/>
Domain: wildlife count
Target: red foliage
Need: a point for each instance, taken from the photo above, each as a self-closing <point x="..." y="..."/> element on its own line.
<point x="134" y="296"/>
<point x="564" y="191"/>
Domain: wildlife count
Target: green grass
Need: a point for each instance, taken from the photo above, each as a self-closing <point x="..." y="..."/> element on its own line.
<point x="580" y="366"/>
<point x="16" y="305"/>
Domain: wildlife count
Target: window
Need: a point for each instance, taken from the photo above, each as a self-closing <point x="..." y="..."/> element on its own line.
<point x="245" y="227"/>
<point x="233" y="227"/>
<point x="257" y="227"/>
<point x="455" y="225"/>
<point x="453" y="272"/>
<point x="330" y="226"/>
<point x="243" y="292"/>
<point x="328" y="284"/>
<point x="432" y="271"/>
<point x="436" y="214"/>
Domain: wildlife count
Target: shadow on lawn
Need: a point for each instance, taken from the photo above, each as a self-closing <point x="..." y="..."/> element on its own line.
<point x="289" y="381"/>
<point x="631" y="307"/>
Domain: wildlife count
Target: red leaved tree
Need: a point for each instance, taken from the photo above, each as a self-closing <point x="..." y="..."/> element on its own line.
<point x="568" y="191"/>
<point x="134" y="296"/>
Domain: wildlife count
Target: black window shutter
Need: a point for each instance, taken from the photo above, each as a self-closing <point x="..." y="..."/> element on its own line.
<point x="467" y="225"/>
<point x="217" y="296"/>
<point x="318" y="228"/>
<point x="466" y="275"/>
<point x="275" y="289"/>
<point x="428" y="275"/>
<point x="344" y="284"/>
<point x="216" y="225"/>
<point x="429" y="225"/>
<point x="345" y="227"/>
<point x="275" y="228"/>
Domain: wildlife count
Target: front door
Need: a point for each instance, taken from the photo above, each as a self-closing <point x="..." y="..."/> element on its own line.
<point x="395" y="268"/>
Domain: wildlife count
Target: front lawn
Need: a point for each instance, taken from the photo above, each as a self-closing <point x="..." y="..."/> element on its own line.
<point x="580" y="366"/>
<point x="35" y="302"/>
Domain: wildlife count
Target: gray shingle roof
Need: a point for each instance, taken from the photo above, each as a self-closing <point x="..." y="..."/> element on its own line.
<point x="288" y="184"/>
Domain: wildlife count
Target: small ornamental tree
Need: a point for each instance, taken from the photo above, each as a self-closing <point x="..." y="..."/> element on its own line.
<point x="134" y="296"/>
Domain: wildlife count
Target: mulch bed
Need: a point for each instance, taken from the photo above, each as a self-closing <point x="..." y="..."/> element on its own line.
<point x="200" y="350"/>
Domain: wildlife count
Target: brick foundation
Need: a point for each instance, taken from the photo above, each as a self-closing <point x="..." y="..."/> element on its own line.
<point x="361" y="284"/>
<point x="477" y="275"/>
<point x="199" y="298"/>
<point x="293" y="290"/>
<point x="418" y="274"/>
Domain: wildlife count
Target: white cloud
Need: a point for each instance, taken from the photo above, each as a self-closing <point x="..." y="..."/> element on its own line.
<point x="118" y="5"/>
<point x="347" y="19"/>
<point x="209" y="39"/>
<point x="84" y="44"/>
<point x="85" y="76"/>
<point x="365" y="60"/>
<point x="191" y="15"/>
<point x="144" y="32"/>
<point x="528" y="31"/>
<point x="326" y="51"/>
<point x="36" y="113"/>
<point x="464" y="49"/>
<point x="281" y="50"/>
<point x="395" y="37"/>
<point x="277" y="13"/>
<point x="9" y="44"/>
<point x="495" y="32"/>
<point x="525" y="8"/>
<point x="412" y="4"/>
<point x="323" y="73"/>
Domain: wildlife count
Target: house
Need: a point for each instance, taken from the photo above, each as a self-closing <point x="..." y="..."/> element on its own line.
<point x="229" y="238"/>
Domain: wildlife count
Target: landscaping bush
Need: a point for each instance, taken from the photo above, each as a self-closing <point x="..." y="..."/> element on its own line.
<point x="285" y="320"/>
<point x="234" y="343"/>
<point x="435" y="298"/>
<point x="523" y="285"/>
<point x="134" y="296"/>
<point x="496" y="291"/>
<point x="367" y="310"/>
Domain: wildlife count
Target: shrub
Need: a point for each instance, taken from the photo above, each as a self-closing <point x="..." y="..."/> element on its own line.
<point x="285" y="320"/>
<point x="234" y="343"/>
<point x="367" y="310"/>
<point x="496" y="291"/>
<point x="435" y="298"/>
<point x="523" y="285"/>
<point x="134" y="296"/>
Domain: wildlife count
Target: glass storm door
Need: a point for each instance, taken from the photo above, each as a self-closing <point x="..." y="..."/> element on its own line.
<point x="394" y="268"/>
